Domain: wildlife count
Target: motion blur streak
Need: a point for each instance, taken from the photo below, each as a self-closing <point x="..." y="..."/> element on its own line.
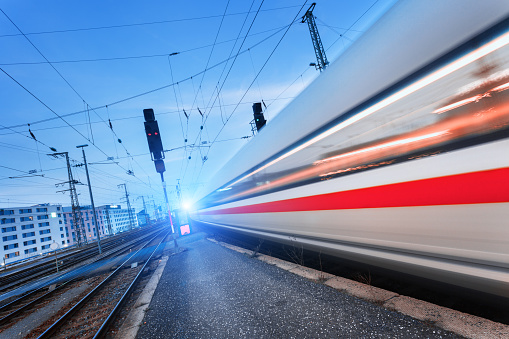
<point x="396" y="156"/>
<point x="464" y="61"/>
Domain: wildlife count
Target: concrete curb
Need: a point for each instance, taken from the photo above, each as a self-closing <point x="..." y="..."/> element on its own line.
<point x="451" y="320"/>
<point x="134" y="320"/>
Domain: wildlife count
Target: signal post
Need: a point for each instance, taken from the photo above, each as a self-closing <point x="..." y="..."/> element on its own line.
<point x="155" y="146"/>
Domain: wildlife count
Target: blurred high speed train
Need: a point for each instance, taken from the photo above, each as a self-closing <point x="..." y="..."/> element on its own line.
<point x="397" y="155"/>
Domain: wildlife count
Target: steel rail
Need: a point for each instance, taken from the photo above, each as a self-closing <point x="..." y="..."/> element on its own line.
<point x="59" y="323"/>
<point x="18" y="311"/>
<point x="47" y="268"/>
<point x="111" y="317"/>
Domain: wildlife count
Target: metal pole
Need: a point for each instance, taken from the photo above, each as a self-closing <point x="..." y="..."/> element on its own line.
<point x="91" y="200"/>
<point x="128" y="208"/>
<point x="56" y="260"/>
<point x="169" y="213"/>
<point x="147" y="216"/>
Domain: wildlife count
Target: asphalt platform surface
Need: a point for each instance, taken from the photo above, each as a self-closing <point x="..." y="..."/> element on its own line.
<point x="210" y="291"/>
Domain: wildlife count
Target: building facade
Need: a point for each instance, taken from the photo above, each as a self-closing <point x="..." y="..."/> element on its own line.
<point x="118" y="218"/>
<point x="29" y="231"/>
<point x="112" y="219"/>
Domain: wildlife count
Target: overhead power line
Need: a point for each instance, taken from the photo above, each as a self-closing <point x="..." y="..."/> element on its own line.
<point x="256" y="77"/>
<point x="131" y="57"/>
<point x="140" y="24"/>
<point x="74" y="90"/>
<point x="155" y="89"/>
<point x="49" y="108"/>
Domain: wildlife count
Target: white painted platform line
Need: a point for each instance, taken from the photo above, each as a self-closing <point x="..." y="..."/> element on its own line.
<point x="451" y="320"/>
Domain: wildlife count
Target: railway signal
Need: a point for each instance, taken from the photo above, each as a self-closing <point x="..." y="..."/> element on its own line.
<point x="259" y="119"/>
<point x="155" y="144"/>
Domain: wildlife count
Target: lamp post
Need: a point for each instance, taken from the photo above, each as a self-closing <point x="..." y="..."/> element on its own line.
<point x="91" y="199"/>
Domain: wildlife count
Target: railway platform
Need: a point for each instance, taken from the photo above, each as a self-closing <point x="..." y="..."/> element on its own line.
<point x="211" y="291"/>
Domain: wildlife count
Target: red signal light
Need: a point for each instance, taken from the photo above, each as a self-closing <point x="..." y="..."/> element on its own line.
<point x="155" y="133"/>
<point x="149" y="134"/>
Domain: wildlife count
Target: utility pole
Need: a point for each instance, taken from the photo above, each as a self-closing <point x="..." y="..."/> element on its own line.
<point x="147" y="216"/>
<point x="128" y="206"/>
<point x="169" y="211"/>
<point x="91" y="199"/>
<point x="79" y="225"/>
<point x="179" y="196"/>
<point x="321" y="58"/>
<point x="156" y="211"/>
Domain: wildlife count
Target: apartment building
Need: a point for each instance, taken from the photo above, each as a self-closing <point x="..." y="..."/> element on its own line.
<point x="111" y="219"/>
<point x="29" y="231"/>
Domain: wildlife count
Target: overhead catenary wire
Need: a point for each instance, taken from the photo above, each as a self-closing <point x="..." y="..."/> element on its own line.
<point x="132" y="57"/>
<point x="209" y="125"/>
<point x="50" y="109"/>
<point x="73" y="89"/>
<point x="134" y="117"/>
<point x="251" y="84"/>
<point x="355" y="22"/>
<point x="141" y="23"/>
<point x="300" y="76"/>
<point x="259" y="72"/>
<point x="204" y="120"/>
<point x="153" y="90"/>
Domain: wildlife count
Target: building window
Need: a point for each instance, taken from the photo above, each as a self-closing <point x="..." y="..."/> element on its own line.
<point x="61" y="235"/>
<point x="6" y="212"/>
<point x="27" y="226"/>
<point x="42" y="224"/>
<point x="42" y="210"/>
<point x="29" y="242"/>
<point x="23" y="211"/>
<point x="12" y="255"/>
<point x="44" y="232"/>
<point x="29" y="234"/>
<point x="44" y="216"/>
<point x="31" y="250"/>
<point x="45" y="247"/>
<point x="10" y="237"/>
<point x="10" y="246"/>
<point x="7" y="221"/>
<point x="58" y="208"/>
<point x="60" y="221"/>
<point x="8" y="229"/>
<point x="45" y="239"/>
<point x="26" y="218"/>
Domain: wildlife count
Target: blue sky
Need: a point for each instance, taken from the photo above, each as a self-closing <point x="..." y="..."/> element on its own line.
<point x="104" y="54"/>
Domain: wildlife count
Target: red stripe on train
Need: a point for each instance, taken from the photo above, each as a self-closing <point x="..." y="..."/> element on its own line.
<point x="490" y="186"/>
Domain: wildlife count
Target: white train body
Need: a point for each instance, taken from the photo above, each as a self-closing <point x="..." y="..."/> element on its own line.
<point x="397" y="155"/>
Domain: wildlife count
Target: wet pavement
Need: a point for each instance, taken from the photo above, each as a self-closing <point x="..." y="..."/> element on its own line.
<point x="209" y="291"/>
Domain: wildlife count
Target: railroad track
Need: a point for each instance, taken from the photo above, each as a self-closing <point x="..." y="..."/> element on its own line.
<point x="91" y="316"/>
<point x="12" y="280"/>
